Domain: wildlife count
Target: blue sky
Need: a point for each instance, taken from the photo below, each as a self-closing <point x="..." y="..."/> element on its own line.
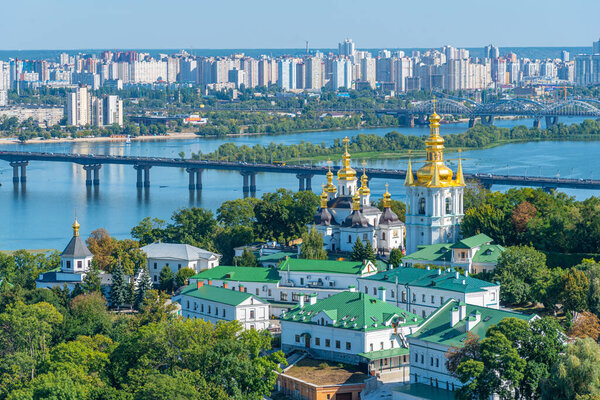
<point x="75" y="24"/>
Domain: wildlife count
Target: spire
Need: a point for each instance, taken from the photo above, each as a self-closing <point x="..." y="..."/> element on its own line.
<point x="409" y="174"/>
<point x="460" y="179"/>
<point x="323" y="197"/>
<point x="435" y="179"/>
<point x="356" y="202"/>
<point x="364" y="188"/>
<point x="75" y="227"/>
<point x="387" y="197"/>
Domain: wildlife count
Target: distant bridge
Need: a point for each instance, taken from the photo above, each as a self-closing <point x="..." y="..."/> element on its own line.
<point x="92" y="163"/>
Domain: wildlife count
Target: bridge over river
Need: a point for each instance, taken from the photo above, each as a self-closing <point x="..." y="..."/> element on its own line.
<point x="92" y="163"/>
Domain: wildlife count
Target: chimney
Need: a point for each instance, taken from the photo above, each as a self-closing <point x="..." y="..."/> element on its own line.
<point x="462" y="307"/>
<point x="241" y="288"/>
<point x="457" y="274"/>
<point x="390" y="267"/>
<point x="352" y="288"/>
<point x="301" y="300"/>
<point x="224" y="285"/>
<point x="209" y="282"/>
<point x="454" y="316"/>
<point x="382" y="293"/>
<point x="312" y="299"/>
<point x="466" y="273"/>
<point x="473" y="320"/>
<point x="199" y="284"/>
<point x="439" y="271"/>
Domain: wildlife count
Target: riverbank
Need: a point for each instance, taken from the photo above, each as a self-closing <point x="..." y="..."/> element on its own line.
<point x="39" y="140"/>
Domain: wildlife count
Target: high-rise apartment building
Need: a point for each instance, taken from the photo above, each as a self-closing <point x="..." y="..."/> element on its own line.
<point x="79" y="107"/>
<point x="342" y="74"/>
<point x="346" y="48"/>
<point x="403" y="69"/>
<point x="313" y="73"/>
<point x="112" y="110"/>
<point x="368" y="67"/>
<point x="491" y="51"/>
<point x="286" y="78"/>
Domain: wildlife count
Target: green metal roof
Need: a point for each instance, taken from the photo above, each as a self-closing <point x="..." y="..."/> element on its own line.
<point x="433" y="252"/>
<point x="239" y="274"/>
<point x="276" y="256"/>
<point x="430" y="279"/>
<point x="216" y="294"/>
<point x="424" y="391"/>
<point x="437" y="327"/>
<point x="376" y="355"/>
<point x="325" y="266"/>
<point x="473" y="241"/>
<point x="488" y="253"/>
<point x="353" y="310"/>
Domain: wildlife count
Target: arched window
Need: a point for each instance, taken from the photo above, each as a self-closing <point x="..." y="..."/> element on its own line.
<point x="422" y="206"/>
<point x="343" y="190"/>
<point x="349" y="239"/>
<point x="448" y="206"/>
<point x="382" y="235"/>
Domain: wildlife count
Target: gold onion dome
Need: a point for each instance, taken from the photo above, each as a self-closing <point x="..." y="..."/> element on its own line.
<point x="387" y="198"/>
<point x="346" y="172"/>
<point x="330" y="187"/>
<point x="364" y="188"/>
<point x="75" y="227"/>
<point x="435" y="172"/>
<point x="356" y="202"/>
<point x="323" y="197"/>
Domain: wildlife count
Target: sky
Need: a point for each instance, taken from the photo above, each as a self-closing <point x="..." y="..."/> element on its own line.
<point x="230" y="24"/>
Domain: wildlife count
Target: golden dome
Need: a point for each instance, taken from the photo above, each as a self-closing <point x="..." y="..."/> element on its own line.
<point x="387" y="198"/>
<point x="356" y="202"/>
<point x="75" y="227"/>
<point x="346" y="172"/>
<point x="434" y="172"/>
<point x="364" y="188"/>
<point x="323" y="197"/>
<point x="330" y="187"/>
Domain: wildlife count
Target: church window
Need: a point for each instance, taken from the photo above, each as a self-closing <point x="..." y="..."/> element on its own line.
<point x="155" y="265"/>
<point x="383" y="236"/>
<point x="392" y="294"/>
<point x="302" y="281"/>
<point x="374" y="291"/>
<point x="423" y="298"/>
<point x="343" y="190"/>
<point x="68" y="264"/>
<point x="257" y="291"/>
<point x="217" y="311"/>
<point x="366" y="289"/>
<point x="448" y="206"/>
<point x="155" y="278"/>
<point x="79" y="264"/>
<point x="365" y="237"/>
<point x="349" y="239"/>
<point x="422" y="206"/>
<point x="404" y="296"/>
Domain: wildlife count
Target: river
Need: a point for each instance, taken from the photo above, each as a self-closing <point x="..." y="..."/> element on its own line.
<point x="40" y="216"/>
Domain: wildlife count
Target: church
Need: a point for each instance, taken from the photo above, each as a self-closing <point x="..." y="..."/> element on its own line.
<point x="346" y="214"/>
<point x="434" y="205"/>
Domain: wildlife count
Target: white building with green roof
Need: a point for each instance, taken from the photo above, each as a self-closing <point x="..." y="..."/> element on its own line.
<point x="214" y="304"/>
<point x="445" y="328"/>
<point x="423" y="291"/>
<point x="351" y="327"/>
<point x="474" y="254"/>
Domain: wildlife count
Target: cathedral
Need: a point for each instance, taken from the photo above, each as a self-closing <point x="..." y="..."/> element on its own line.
<point x="346" y="214"/>
<point x="434" y="205"/>
<point x="434" y="200"/>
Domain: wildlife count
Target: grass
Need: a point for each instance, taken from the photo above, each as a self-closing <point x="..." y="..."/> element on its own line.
<point x="320" y="372"/>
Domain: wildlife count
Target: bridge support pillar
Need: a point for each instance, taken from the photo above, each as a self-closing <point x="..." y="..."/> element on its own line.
<point x="22" y="165"/>
<point x="472" y="122"/>
<point x="249" y="185"/>
<point x="145" y="170"/>
<point x="195" y="181"/>
<point x="300" y="182"/>
<point x="199" y="179"/>
<point x="304" y="182"/>
<point x="96" y="180"/>
<point x="537" y="123"/>
<point x="192" y="183"/>
<point x="551" y="120"/>
<point x="91" y="174"/>
<point x="487" y="119"/>
<point x="88" y="175"/>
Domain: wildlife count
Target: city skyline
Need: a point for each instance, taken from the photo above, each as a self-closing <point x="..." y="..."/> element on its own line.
<point x="190" y="24"/>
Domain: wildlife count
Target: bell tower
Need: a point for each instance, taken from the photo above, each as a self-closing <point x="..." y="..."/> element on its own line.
<point x="434" y="206"/>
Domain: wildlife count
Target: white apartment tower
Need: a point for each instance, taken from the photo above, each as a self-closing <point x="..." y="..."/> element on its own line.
<point x="434" y="206"/>
<point x="79" y="107"/>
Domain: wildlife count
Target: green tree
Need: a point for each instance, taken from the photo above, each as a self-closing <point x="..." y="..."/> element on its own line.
<point x="358" y="251"/>
<point x="88" y="316"/>
<point x="518" y="269"/>
<point x="576" y="374"/>
<point x="91" y="281"/>
<point x="182" y="276"/>
<point x="119" y="287"/>
<point x="144" y="286"/>
<point x="149" y="231"/>
<point x="239" y="212"/>
<point x="312" y="245"/>
<point x="247" y="259"/>
<point x="166" y="279"/>
<point x="395" y="257"/>
<point x="369" y="252"/>
<point x="575" y="291"/>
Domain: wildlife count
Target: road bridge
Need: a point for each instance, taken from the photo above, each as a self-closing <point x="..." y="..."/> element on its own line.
<point x="91" y="164"/>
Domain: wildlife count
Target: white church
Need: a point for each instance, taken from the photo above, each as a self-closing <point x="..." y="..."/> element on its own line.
<point x="434" y="206"/>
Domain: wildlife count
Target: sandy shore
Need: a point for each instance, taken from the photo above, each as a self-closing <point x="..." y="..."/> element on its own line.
<point x="168" y="136"/>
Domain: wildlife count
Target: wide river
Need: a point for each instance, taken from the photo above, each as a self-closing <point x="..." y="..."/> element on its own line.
<point x="40" y="216"/>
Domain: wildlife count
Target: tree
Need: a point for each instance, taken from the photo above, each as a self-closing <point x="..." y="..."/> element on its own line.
<point x="149" y="231"/>
<point x="585" y="324"/>
<point x="575" y="290"/>
<point x="247" y="259"/>
<point x="468" y="350"/>
<point x="166" y="279"/>
<point x="577" y="373"/>
<point x="358" y="251"/>
<point x="144" y="286"/>
<point x="91" y="281"/>
<point x="522" y="214"/>
<point x="395" y="257"/>
<point x="369" y="252"/>
<point x="518" y="268"/>
<point x="181" y="277"/>
<point x="312" y="245"/>
<point x="239" y="212"/>
<point x="119" y="287"/>
<point x="88" y="316"/>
